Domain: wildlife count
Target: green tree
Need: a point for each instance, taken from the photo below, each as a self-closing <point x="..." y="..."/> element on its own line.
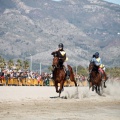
<point x="2" y="62"/>
<point x="26" y="65"/>
<point x="10" y="64"/>
<point x="81" y="70"/>
<point x="50" y="68"/>
<point x="19" y="64"/>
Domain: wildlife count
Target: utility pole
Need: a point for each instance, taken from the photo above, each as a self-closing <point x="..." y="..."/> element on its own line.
<point x="40" y="68"/>
<point x="31" y="62"/>
<point x="76" y="69"/>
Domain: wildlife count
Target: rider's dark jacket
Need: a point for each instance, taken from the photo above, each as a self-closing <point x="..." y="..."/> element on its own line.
<point x="61" y="54"/>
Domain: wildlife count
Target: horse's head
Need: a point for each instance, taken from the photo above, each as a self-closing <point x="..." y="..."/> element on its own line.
<point x="93" y="67"/>
<point x="55" y="59"/>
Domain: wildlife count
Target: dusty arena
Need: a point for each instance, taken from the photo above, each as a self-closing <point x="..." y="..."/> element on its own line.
<point x="42" y="103"/>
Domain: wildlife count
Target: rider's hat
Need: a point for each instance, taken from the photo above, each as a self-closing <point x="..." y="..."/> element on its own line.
<point x="60" y="45"/>
<point x="96" y="54"/>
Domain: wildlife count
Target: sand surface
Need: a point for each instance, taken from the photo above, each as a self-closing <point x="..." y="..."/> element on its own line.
<point x="43" y="103"/>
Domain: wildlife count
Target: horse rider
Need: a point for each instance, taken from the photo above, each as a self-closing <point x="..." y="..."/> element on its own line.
<point x="63" y="59"/>
<point x="97" y="61"/>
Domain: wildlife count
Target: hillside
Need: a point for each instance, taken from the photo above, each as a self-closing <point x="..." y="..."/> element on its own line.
<point x="36" y="27"/>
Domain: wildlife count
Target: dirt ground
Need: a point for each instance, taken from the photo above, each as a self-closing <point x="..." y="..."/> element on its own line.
<point x="42" y="103"/>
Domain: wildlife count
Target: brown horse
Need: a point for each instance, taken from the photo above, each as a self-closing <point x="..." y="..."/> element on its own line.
<point x="59" y="74"/>
<point x="95" y="78"/>
<point x="1" y="77"/>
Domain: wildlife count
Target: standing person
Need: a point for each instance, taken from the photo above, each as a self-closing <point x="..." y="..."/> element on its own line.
<point x="7" y="76"/>
<point x="39" y="79"/>
<point x="98" y="62"/>
<point x="1" y="76"/>
<point x="62" y="58"/>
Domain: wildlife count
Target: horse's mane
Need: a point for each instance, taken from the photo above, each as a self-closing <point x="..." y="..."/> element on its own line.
<point x="95" y="68"/>
<point x="55" y="53"/>
<point x="60" y="62"/>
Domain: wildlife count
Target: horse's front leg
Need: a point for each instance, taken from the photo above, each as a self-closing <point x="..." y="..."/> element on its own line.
<point x="90" y="85"/>
<point x="104" y="84"/>
<point x="98" y="90"/>
<point x="61" y="87"/>
<point x="93" y="87"/>
<point x="56" y="87"/>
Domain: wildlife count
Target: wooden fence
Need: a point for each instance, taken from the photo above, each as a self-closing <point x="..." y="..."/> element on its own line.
<point x="35" y="82"/>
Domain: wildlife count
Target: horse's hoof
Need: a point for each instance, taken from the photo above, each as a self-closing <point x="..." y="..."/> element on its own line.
<point x="105" y="86"/>
<point x="65" y="97"/>
<point x="93" y="88"/>
<point x="57" y="91"/>
<point x="62" y="90"/>
<point x="99" y="94"/>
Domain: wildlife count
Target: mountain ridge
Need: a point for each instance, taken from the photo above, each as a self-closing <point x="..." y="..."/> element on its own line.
<point x="37" y="27"/>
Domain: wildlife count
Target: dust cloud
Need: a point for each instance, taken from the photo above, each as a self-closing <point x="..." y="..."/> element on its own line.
<point x="112" y="90"/>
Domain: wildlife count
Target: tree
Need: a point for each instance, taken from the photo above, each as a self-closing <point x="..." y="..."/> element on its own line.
<point x="81" y="70"/>
<point x="10" y="64"/>
<point x="19" y="64"/>
<point x="50" y="68"/>
<point x="2" y="62"/>
<point x="26" y="65"/>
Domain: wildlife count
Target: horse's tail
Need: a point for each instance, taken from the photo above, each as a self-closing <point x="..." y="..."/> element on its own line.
<point x="70" y="69"/>
<point x="72" y="78"/>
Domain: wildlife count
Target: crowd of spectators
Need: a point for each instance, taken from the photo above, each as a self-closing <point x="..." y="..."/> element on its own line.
<point x="19" y="75"/>
<point x="10" y="74"/>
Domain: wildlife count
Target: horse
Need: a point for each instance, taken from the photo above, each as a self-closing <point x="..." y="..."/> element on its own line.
<point x="59" y="74"/>
<point x="95" y="78"/>
<point x="1" y="77"/>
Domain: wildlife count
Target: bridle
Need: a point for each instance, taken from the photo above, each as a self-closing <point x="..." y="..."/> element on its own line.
<point x="55" y="62"/>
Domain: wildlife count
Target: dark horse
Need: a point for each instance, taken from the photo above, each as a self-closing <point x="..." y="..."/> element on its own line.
<point x="59" y="74"/>
<point x="95" y="78"/>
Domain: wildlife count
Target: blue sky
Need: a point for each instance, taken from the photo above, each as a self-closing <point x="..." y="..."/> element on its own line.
<point x="113" y="1"/>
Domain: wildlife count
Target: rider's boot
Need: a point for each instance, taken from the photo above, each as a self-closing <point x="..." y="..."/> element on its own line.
<point x="67" y="74"/>
<point x="52" y="77"/>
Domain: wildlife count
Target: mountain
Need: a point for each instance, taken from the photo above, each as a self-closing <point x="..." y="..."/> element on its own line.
<point x="36" y="27"/>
